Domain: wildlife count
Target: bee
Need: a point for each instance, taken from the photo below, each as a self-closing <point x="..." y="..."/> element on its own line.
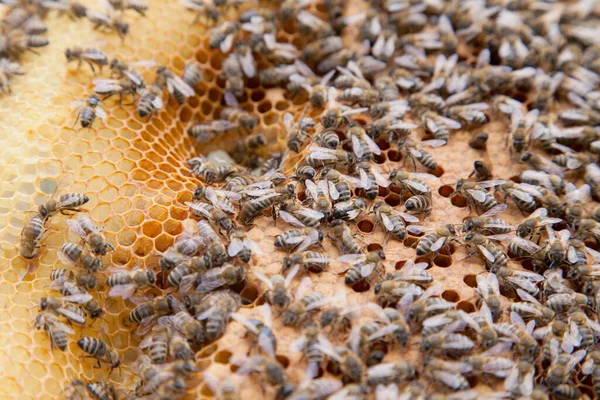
<point x="520" y="126"/>
<point x="189" y="327"/>
<point x="123" y="87"/>
<point x="75" y="390"/>
<point x="392" y="222"/>
<point x="278" y="294"/>
<point x="192" y="75"/>
<point x="223" y="36"/>
<point x="340" y="316"/>
<point x="369" y="179"/>
<point x="214" y="248"/>
<point x="176" y="86"/>
<point x="100" y="351"/>
<point x="154" y="308"/>
<point x="532" y="225"/>
<point x="77" y="294"/>
<point x="70" y="253"/>
<point x="297" y="135"/>
<point x="481" y="170"/>
<point x="261" y="330"/>
<point x="150" y="100"/>
<point x="269" y="370"/>
<point x="362" y="145"/>
<point x="241" y="246"/>
<point x="530" y="308"/>
<point x="124" y="283"/>
<point x="136" y="5"/>
<point x="411" y="182"/>
<point x="111" y="22"/>
<point x="299" y="216"/>
<point x="15" y="42"/>
<point x="89" y="110"/>
<point x="66" y="202"/>
<point x="87" y="281"/>
<point x="349" y="363"/>
<point x="308" y="24"/>
<point x="327" y="138"/>
<point x="479" y="142"/>
<point x="57" y="331"/>
<point x="305" y="302"/>
<point x="549" y="181"/>
<point x="438" y="126"/>
<point x="453" y="344"/>
<point x="488" y="289"/>
<point x="339" y="185"/>
<point x="234" y="76"/>
<point x="216" y="309"/>
<point x="157" y="341"/>
<point x="486" y="223"/>
<point x="363" y="265"/>
<point x="324" y="157"/>
<point x="318" y="49"/>
<point x="545" y="87"/>
<point x="342" y="237"/>
<point x="426" y="305"/>
<point x="349" y="210"/>
<point x="299" y="239"/>
<point x="475" y="194"/>
<point x="91" y="234"/>
<point x="561" y="367"/>
<point x="395" y="324"/>
<point x="592" y="367"/>
<point x="63" y="307"/>
<point x="256" y="206"/>
<point x="225" y="389"/>
<point x="8" y="70"/>
<point x="102" y="391"/>
<point x="236" y="115"/>
<point x="213" y="214"/>
<point x="520" y="379"/>
<point x="540" y="163"/>
<point x="412" y="150"/>
<point x="227" y="275"/>
<point x="31" y="235"/>
<point x="495" y="257"/>
<point x="434" y="240"/>
<point x="218" y="198"/>
<point x="207" y="131"/>
<point x="586" y="328"/>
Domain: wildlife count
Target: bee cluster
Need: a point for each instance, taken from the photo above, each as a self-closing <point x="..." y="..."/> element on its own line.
<point x="395" y="82"/>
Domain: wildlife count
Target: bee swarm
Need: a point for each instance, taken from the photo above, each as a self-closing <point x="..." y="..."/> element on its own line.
<point x="147" y="200"/>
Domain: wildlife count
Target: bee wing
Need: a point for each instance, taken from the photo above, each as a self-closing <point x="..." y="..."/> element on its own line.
<point x="351" y="258"/>
<point x="438" y="244"/>
<point x="64" y="328"/>
<point x="417" y="229"/>
<point x="175" y="82"/>
<point x="245" y="322"/>
<point x="356" y="146"/>
<point x="303" y="288"/>
<point x="80" y="298"/>
<point x="263" y="278"/>
<point x="575" y="359"/>
<point x="208" y="286"/>
<point x="133" y="77"/>
<point x="235" y="246"/>
<point x="323" y="187"/>
<point x="379" y="178"/>
<point x="64" y="258"/>
<point x="157" y="102"/>
<point x="526" y="245"/>
<point x="387" y="222"/>
<point x="307" y="212"/>
<point x="378" y="47"/>
<point x="333" y="192"/>
<point x="248" y="64"/>
<point x="433" y="143"/>
<point x="312" y="188"/>
<point x="290" y="219"/>
<point x="364" y="178"/>
<point x="71" y="315"/>
<point x="336" y="298"/>
<point x="253" y="246"/>
<point x="198" y="210"/>
<point x="367" y="270"/>
<point x="499" y="209"/>
<point x="298" y="344"/>
<point x="489" y="256"/>
<point x="511" y="383"/>
<point x="187" y="282"/>
<point x="406" y="217"/>
<point x="386" y="330"/>
<point x="416" y="185"/>
<point x="75" y="227"/>
<point x="104" y="86"/>
<point x="527" y="297"/>
<point x="571" y="339"/>
<point x="478" y="195"/>
<point x="100" y="113"/>
<point x="124" y="291"/>
<point x="372" y="145"/>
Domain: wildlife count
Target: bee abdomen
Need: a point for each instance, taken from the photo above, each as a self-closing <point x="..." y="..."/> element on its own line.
<point x="92" y="346"/>
<point x="419" y="204"/>
<point x="424" y="244"/>
<point x="73" y="200"/>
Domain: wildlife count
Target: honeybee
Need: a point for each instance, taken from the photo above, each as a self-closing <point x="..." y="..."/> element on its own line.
<point x="192" y="75"/>
<point x="111" y="87"/>
<point x="91" y="234"/>
<point x="65" y="308"/>
<point x="111" y="22"/>
<point x="591" y="367"/>
<point x="475" y="194"/>
<point x="186" y="325"/>
<point x="310" y="24"/>
<point x="124" y="283"/>
<point x="147" y="312"/>
<point x="304" y="303"/>
<point x="220" y="199"/>
<point x="207" y="131"/>
<point x="488" y="290"/>
<point x="340" y="316"/>
<point x="415" y="273"/>
<point x="369" y="179"/>
<point x="218" y="277"/>
<point x="87" y="281"/>
<point x="470" y="113"/>
<point x="166" y="77"/>
<point x="236" y="115"/>
<point x="260" y="329"/>
<point x="8" y="70"/>
<point x="481" y="170"/>
<point x="410" y="149"/>
<point x="434" y="240"/>
<point x="532" y="225"/>
<point x="88" y="111"/>
<point x="549" y="181"/>
<point x="216" y="308"/>
<point x="234" y="76"/>
<point x="241" y="246"/>
<point x="256" y="206"/>
<point x="486" y="223"/>
<point x="157" y="341"/>
<point x="57" y="331"/>
<point x="77" y="294"/>
<point x="31" y="235"/>
<point x="382" y="374"/>
<point x="100" y="351"/>
<point x="299" y="216"/>
<point x="349" y="363"/>
<point x="349" y="210"/>
<point x="445" y="343"/>
<point x="324" y="157"/>
<point x="395" y="324"/>
<point x="299" y="239"/>
<point x="102" y="391"/>
<point x="411" y="182"/>
<point x="225" y="389"/>
<point x="72" y="254"/>
<point x="320" y="48"/>
<point x="297" y="135"/>
<point x="561" y="367"/>
<point x="438" y="126"/>
<point x="392" y="221"/>
<point x="278" y="294"/>
<point x="341" y="236"/>
<point x="74" y="9"/>
<point x="74" y="390"/>
<point x="150" y="100"/>
<point x="495" y="257"/>
<point x="363" y="265"/>
<point x="269" y="370"/>
<point x="90" y="56"/>
<point x="123" y="5"/>
<point x="362" y="145"/>
<point x="539" y="163"/>
<point x="223" y="36"/>
<point x="479" y="142"/>
<point x="66" y="202"/>
<point x="211" y="213"/>
<point x="530" y="308"/>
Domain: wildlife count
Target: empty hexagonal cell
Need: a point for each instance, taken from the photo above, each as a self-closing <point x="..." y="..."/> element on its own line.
<point x="365" y="226"/>
<point x="470" y="280"/>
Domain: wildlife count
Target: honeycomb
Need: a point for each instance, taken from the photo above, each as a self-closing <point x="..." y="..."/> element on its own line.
<point x="133" y="171"/>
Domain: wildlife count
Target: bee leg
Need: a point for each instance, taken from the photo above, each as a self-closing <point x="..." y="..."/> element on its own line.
<point x="76" y="120"/>
<point x="91" y="66"/>
<point x="470" y="255"/>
